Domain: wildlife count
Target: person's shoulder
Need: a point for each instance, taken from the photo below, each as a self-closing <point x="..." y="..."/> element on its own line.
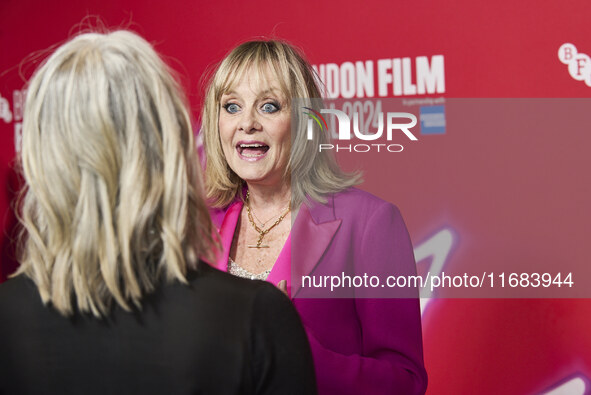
<point x="15" y="286"/>
<point x="17" y="292"/>
<point x="226" y="285"/>
<point x="354" y="201"/>
<point x="356" y="195"/>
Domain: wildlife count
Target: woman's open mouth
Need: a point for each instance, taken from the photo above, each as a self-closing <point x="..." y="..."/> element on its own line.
<point x="252" y="151"/>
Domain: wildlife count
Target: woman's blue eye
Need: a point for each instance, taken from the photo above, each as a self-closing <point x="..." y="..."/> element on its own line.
<point x="232" y="108"/>
<point x="270" y="107"/>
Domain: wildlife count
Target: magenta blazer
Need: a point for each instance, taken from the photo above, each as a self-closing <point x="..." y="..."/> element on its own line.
<point x="362" y="344"/>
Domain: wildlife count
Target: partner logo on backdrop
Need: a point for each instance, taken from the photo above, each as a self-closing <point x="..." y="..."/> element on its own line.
<point x="344" y="129"/>
<point x="579" y="64"/>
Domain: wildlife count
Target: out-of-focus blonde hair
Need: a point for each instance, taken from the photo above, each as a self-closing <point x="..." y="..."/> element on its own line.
<point x="113" y="197"/>
<point x="312" y="174"/>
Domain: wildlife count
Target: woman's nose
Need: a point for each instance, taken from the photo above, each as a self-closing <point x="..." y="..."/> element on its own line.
<point x="249" y="122"/>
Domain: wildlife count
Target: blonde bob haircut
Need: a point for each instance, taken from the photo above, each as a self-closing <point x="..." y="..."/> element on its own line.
<point x="113" y="197"/>
<point x="312" y="174"/>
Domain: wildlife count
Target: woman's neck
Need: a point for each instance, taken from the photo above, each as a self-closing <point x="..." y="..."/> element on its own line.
<point x="269" y="198"/>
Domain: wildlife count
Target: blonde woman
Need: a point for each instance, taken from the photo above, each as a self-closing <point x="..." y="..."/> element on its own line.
<point x="111" y="296"/>
<point x="263" y="175"/>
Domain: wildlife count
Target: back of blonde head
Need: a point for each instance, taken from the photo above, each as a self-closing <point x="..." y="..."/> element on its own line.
<point x="113" y="190"/>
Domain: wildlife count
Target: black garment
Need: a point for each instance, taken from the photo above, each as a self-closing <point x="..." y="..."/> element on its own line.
<point x="219" y="335"/>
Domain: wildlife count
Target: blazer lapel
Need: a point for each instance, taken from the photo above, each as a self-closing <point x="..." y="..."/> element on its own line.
<point x="313" y="230"/>
<point x="227" y="230"/>
<point x="311" y="234"/>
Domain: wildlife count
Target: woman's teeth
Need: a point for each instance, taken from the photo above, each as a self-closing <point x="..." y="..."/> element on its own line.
<point x="253" y="150"/>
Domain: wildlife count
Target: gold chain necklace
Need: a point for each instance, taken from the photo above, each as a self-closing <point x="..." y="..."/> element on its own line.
<point x="270" y="219"/>
<point x="262" y="232"/>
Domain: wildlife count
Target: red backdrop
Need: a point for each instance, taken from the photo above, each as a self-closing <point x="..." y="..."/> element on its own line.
<point x="508" y="196"/>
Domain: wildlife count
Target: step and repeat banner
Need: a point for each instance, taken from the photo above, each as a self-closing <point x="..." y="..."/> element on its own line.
<point x="474" y="118"/>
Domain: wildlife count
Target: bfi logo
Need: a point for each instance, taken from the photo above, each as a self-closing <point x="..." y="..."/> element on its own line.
<point x="579" y="64"/>
<point x="344" y="129"/>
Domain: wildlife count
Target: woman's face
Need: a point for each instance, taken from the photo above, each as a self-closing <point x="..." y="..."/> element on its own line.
<point x="255" y="124"/>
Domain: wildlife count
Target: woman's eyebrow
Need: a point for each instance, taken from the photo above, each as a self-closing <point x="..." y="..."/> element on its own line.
<point x="273" y="91"/>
